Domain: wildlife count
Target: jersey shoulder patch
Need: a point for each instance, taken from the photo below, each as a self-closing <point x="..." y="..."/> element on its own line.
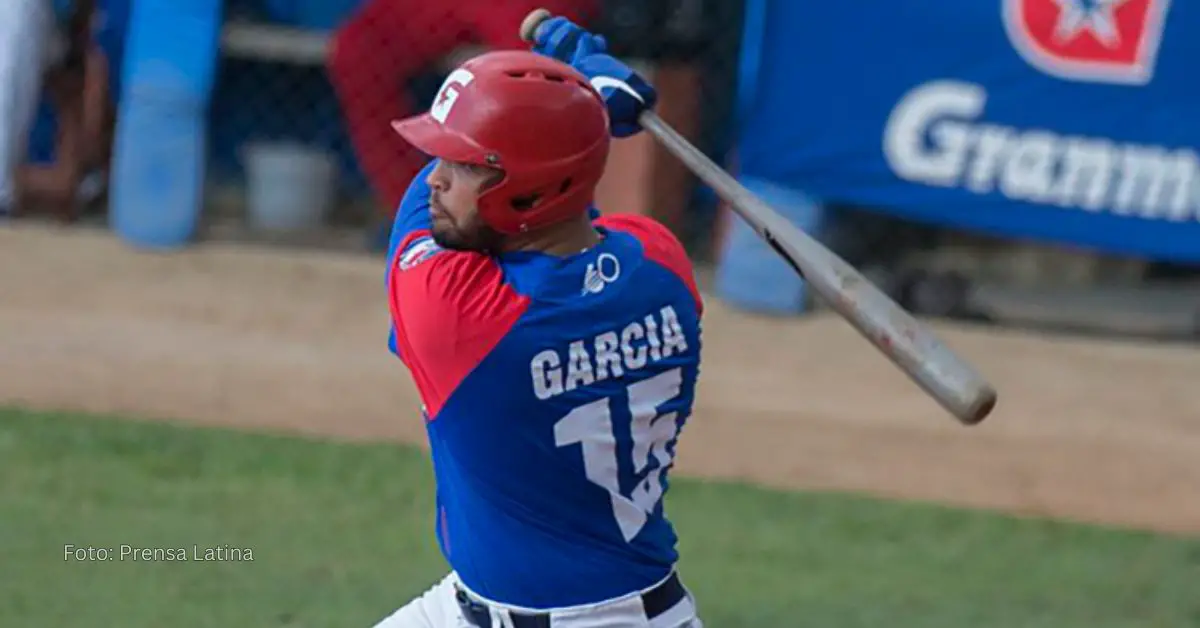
<point x="420" y="249"/>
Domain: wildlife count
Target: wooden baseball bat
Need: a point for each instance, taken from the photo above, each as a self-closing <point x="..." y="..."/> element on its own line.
<point x="912" y="346"/>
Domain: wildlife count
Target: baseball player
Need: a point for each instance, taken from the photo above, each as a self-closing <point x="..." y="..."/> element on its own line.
<point x="555" y="351"/>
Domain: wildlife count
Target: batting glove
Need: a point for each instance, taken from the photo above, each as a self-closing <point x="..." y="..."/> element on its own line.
<point x="626" y="94"/>
<point x="566" y="41"/>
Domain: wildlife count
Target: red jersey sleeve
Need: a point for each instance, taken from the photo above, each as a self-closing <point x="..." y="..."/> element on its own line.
<point x="661" y="246"/>
<point x="449" y="310"/>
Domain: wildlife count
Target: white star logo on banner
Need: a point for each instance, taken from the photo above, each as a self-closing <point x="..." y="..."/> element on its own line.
<point x="1088" y="15"/>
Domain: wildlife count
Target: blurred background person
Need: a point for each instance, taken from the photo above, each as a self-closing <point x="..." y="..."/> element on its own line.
<point x="387" y="43"/>
<point x="26" y="37"/>
<point x="81" y="94"/>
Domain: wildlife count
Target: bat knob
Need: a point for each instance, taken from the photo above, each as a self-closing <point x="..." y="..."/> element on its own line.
<point x="532" y="21"/>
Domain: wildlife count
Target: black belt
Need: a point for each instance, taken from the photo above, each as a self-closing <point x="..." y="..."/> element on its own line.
<point x="656" y="601"/>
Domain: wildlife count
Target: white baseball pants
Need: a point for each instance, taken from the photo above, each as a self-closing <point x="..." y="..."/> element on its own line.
<point x="27" y="30"/>
<point x="438" y="608"/>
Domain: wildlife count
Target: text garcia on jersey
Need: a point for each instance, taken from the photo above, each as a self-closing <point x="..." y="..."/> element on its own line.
<point x="655" y="337"/>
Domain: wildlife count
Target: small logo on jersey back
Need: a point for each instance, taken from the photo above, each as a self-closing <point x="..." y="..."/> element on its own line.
<point x="419" y="251"/>
<point x="1100" y="41"/>
<point x="600" y="273"/>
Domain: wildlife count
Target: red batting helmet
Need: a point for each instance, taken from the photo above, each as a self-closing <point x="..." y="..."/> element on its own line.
<point x="534" y="118"/>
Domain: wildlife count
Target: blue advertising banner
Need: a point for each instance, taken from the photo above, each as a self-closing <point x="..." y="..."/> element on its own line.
<point x="1068" y="121"/>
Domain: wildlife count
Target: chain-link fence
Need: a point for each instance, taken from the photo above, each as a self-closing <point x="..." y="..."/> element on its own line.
<point x="339" y="90"/>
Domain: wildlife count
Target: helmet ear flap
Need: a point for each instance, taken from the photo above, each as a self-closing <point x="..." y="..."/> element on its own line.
<point x="525" y="202"/>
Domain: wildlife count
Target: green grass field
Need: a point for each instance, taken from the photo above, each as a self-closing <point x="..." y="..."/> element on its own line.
<point x="341" y="535"/>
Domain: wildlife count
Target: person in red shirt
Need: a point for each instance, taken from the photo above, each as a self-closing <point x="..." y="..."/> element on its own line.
<point x="386" y="43"/>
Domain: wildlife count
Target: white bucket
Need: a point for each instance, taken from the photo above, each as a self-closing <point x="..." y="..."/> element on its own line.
<point x="290" y="187"/>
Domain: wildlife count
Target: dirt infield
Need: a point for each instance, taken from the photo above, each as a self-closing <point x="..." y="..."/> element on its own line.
<point x="284" y="340"/>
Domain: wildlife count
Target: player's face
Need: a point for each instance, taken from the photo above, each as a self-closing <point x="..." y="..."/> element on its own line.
<point x="455" y="190"/>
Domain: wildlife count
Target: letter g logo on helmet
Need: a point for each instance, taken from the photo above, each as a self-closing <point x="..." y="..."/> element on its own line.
<point x="448" y="94"/>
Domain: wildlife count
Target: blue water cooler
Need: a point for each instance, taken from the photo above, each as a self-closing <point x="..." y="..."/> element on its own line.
<point x="157" y="181"/>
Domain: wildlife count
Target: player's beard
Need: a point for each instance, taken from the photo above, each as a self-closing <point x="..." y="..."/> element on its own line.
<point x="476" y="237"/>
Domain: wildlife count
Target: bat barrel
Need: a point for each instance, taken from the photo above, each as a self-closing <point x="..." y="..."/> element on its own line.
<point x="894" y="332"/>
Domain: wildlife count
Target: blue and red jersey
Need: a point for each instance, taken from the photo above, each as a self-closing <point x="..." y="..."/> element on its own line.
<point x="554" y="392"/>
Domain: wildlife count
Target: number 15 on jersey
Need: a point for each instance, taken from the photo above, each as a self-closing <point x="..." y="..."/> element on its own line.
<point x="591" y="426"/>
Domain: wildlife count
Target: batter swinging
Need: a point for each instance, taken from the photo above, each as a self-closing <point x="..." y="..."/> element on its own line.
<point x="556" y="351"/>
